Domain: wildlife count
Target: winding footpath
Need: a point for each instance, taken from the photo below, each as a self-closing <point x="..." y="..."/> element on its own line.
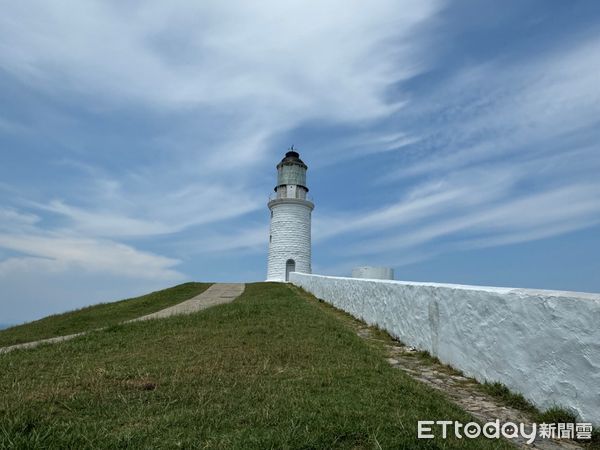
<point x="217" y="294"/>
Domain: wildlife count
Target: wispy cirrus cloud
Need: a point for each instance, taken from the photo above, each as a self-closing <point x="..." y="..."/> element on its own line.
<point x="216" y="53"/>
<point x="221" y="64"/>
<point x="512" y="157"/>
<point x="510" y="221"/>
<point x="529" y="107"/>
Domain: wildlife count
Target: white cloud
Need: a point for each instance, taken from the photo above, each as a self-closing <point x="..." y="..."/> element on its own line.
<point x="504" y="221"/>
<point x="278" y="59"/>
<point x="514" y="158"/>
<point x="169" y="212"/>
<point x="263" y="68"/>
<point x="480" y="206"/>
<point x="52" y="252"/>
<point x="57" y="251"/>
<point x="531" y="108"/>
<point x="215" y="241"/>
<point x="429" y="201"/>
<point x="11" y="219"/>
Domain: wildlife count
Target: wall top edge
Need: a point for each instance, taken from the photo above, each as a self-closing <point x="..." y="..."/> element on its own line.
<point x="498" y="290"/>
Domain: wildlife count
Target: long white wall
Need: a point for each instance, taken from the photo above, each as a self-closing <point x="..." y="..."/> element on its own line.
<point x="543" y="344"/>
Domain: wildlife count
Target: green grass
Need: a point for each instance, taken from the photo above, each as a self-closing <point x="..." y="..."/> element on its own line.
<point x="273" y="369"/>
<point x="515" y="400"/>
<point x="557" y="415"/>
<point x="98" y="316"/>
<point x="554" y="414"/>
<point x="509" y="398"/>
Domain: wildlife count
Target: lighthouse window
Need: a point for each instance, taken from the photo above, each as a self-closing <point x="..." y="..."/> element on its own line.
<point x="270" y="238"/>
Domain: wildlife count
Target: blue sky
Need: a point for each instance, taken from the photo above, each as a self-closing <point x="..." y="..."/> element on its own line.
<point x="138" y="142"/>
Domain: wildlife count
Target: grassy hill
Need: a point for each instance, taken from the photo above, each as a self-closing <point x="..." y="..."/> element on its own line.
<point x="273" y="369"/>
<point x="101" y="315"/>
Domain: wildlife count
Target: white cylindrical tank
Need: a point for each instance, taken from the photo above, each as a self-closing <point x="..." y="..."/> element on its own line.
<point x="374" y="273"/>
<point x="289" y="237"/>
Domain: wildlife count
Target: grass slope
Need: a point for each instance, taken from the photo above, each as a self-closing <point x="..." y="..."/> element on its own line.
<point x="273" y="369"/>
<point x="101" y="315"/>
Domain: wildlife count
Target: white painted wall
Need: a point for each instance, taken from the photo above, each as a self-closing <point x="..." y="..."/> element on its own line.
<point x="289" y="237"/>
<point x="543" y="344"/>
<point x="373" y="273"/>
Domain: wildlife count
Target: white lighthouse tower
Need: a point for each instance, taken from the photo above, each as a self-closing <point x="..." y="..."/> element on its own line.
<point x="289" y="239"/>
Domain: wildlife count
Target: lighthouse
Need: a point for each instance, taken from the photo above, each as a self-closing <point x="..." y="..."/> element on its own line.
<point x="289" y="237"/>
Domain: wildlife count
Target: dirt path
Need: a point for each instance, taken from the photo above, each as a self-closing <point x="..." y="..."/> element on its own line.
<point x="217" y="294"/>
